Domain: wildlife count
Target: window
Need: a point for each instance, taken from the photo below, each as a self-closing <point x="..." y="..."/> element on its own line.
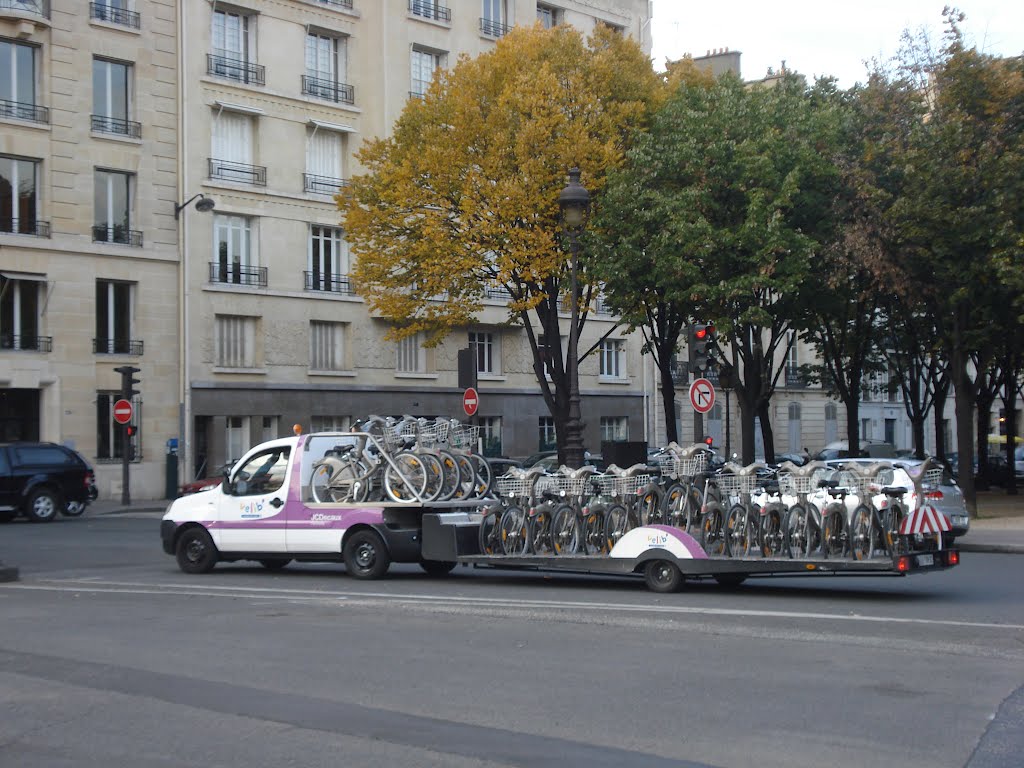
<point x="19" y="315"/>
<point x="325" y="151"/>
<point x="430" y="9"/>
<point x="328" y="260"/>
<point x="19" y="204"/>
<point x="111" y="94"/>
<point x="235" y="342"/>
<point x="326" y="346"/>
<point x="326" y="68"/>
<point x="329" y="423"/>
<point x="116" y="12"/>
<point x="424" y="64"/>
<point x="792" y="361"/>
<point x="231" y="149"/>
<point x="492" y="18"/>
<point x="270" y="431"/>
<point x="232" y="38"/>
<point x="614" y="428"/>
<point x="114" y="318"/>
<point x="411" y="356"/>
<point x="236" y="437"/>
<point x="18" y="83"/>
<point x="110" y="436"/>
<point x="263" y="473"/>
<point x="490" y="434"/>
<point x="234" y="257"/>
<point x="890" y="431"/>
<point x="545" y="354"/>
<point x="487" y="351"/>
<point x="548" y="16"/>
<point x="547" y="440"/>
<point x="612" y="359"/>
<point x="112" y="208"/>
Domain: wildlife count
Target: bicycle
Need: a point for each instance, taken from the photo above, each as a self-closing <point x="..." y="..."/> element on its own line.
<point x="743" y="521"/>
<point x="617" y="497"/>
<point x="574" y="527"/>
<point x="802" y="528"/>
<point x="682" y="502"/>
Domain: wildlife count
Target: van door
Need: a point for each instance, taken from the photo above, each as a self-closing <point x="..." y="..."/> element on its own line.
<point x="251" y="514"/>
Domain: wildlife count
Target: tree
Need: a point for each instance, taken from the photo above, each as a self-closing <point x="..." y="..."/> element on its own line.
<point x="464" y="195"/>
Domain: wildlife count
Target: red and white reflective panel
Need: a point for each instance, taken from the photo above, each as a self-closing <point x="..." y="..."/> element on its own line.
<point x="925" y="519"/>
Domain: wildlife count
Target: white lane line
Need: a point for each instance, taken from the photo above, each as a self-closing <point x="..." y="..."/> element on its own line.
<point x="295" y="594"/>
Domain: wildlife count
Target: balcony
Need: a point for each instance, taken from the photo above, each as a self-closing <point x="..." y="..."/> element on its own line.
<point x="26" y="343"/>
<point x="40" y="8"/>
<point x="118" y="234"/>
<point x="601" y="306"/>
<point x="345" y="4"/>
<point x="497" y="294"/>
<point x="225" y="170"/>
<point x="117" y="347"/>
<point x="235" y="69"/>
<point x="331" y="283"/>
<point x="17" y="110"/>
<point x="680" y="373"/>
<point x="25" y="227"/>
<point x="793" y="376"/>
<point x="339" y="93"/>
<point x="322" y="185"/>
<point x="117" y="126"/>
<point x="103" y="12"/>
<point x="493" y="28"/>
<point x="238" y="274"/>
<point x="429" y="10"/>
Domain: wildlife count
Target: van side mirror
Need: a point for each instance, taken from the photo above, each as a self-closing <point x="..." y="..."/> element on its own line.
<point x="226" y="483"/>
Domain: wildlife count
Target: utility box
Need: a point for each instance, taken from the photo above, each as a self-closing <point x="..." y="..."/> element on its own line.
<point x="171" y="470"/>
<point x="624" y="453"/>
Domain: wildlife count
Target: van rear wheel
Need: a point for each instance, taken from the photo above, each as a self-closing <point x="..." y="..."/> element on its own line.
<point x="365" y="555"/>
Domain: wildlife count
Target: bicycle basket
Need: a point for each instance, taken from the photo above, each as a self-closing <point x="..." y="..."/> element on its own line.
<point x="790" y="483"/>
<point x="558" y="485"/>
<point x="933" y="478"/>
<point x="733" y="484"/>
<point x="392" y="435"/>
<point x="513" y="485"/>
<point x="621" y="485"/>
<point x="464" y="437"/>
<point x="691" y="466"/>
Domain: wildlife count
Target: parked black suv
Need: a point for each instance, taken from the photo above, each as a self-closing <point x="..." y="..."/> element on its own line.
<point x="41" y="479"/>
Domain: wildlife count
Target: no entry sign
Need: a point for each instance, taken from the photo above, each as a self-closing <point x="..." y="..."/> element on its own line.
<point x="702" y="395"/>
<point x="470" y="401"/>
<point x="122" y="411"/>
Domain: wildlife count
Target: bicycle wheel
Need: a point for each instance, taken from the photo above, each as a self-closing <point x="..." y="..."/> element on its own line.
<point x="650" y="507"/>
<point x="691" y="510"/>
<point x="566" y="537"/>
<point x="771" y="536"/>
<point x="835" y="535"/>
<point x="895" y="542"/>
<point x="594" y="540"/>
<point x="513" y="531"/>
<point x="408" y="482"/>
<point x="484" y="475"/>
<point x="467" y="478"/>
<point x="737" y="532"/>
<point x="673" y="505"/>
<point x="618" y="520"/>
<point x="320" y="483"/>
<point x="540" y="530"/>
<point x="712" y="530"/>
<point x="795" y="539"/>
<point x="450" y="477"/>
<point x="863" y="534"/>
<point x="490" y="531"/>
<point x="435" y="476"/>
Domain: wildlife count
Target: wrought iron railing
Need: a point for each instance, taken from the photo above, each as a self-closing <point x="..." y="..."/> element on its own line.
<point x="101" y="233"/>
<point x="25" y="227"/>
<point x="346" y="4"/>
<point x="501" y="294"/>
<point x="429" y="10"/>
<point x="26" y="343"/>
<point x="117" y="346"/>
<point x="237" y="274"/>
<point x="679" y="371"/>
<point x="340" y="93"/>
<point x="18" y="110"/>
<point x="32" y="7"/>
<point x="417" y="95"/>
<point x="104" y="124"/>
<point x="333" y="283"/>
<point x="122" y="16"/>
<point x="793" y="377"/>
<point x="235" y="69"/>
<point x="226" y="170"/>
<point x="322" y="185"/>
<point x="494" y="28"/>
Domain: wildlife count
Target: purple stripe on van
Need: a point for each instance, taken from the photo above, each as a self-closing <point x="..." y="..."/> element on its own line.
<point x="687" y="541"/>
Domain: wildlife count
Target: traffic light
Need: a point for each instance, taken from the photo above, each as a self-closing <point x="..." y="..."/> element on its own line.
<point x="700" y="335"/>
<point x="128" y="390"/>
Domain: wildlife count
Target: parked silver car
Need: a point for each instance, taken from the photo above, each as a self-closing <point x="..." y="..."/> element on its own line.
<point x="946" y="497"/>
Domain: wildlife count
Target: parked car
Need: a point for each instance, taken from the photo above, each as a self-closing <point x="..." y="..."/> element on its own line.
<point x="873" y="449"/>
<point x="40" y="480"/>
<point x="205" y="483"/>
<point x="550" y="461"/>
<point x="946" y="497"/>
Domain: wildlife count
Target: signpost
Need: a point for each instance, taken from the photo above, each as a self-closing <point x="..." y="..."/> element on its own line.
<point x="470" y="401"/>
<point x="123" y="411"/>
<point x="702" y="395"/>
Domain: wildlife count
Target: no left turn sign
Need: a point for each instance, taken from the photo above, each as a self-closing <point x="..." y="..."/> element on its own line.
<point x="702" y="395"/>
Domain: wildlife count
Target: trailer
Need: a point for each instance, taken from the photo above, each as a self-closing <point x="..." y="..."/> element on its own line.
<point x="266" y="511"/>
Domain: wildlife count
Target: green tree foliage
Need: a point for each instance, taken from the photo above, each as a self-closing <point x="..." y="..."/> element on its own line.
<point x="463" y="196"/>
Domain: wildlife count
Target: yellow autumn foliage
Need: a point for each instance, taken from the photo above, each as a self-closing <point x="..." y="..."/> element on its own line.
<point x="463" y="196"/>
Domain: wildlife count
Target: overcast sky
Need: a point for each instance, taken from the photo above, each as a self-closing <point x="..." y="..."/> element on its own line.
<point x="823" y="37"/>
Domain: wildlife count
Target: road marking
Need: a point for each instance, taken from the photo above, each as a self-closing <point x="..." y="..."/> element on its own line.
<point x="212" y="590"/>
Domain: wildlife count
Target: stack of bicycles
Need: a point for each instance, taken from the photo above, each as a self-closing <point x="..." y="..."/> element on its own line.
<point x="403" y="460"/>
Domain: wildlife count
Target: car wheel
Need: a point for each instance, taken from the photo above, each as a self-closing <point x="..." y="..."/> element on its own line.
<point x="74" y="508"/>
<point x="195" y="551"/>
<point x="43" y="505"/>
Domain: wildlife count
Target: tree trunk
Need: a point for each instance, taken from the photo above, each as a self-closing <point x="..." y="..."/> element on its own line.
<point x="668" y="401"/>
<point x="984" y="419"/>
<point x="853" y="426"/>
<point x="941" y="395"/>
<point x="767" y="434"/>
<point x="963" y="390"/>
<point x="917" y="425"/>
<point x="747" y="413"/>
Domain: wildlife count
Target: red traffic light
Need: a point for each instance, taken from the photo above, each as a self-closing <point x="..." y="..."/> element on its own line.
<point x="130" y="430"/>
<point x="701" y="332"/>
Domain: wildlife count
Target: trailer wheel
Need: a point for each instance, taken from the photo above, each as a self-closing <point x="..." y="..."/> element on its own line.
<point x="365" y="555"/>
<point x="437" y="568"/>
<point x="663" y="576"/>
<point x="730" y="580"/>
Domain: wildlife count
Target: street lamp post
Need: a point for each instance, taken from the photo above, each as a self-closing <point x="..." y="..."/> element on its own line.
<point x="574" y="201"/>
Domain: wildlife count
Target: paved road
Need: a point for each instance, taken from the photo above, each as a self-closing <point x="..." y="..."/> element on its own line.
<point x="110" y="656"/>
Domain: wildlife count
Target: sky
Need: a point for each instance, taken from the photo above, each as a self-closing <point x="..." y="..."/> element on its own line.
<point x="823" y="37"/>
